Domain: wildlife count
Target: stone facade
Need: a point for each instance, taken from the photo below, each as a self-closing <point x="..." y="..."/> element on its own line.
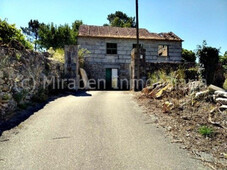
<point x="71" y="61"/>
<point x="97" y="61"/>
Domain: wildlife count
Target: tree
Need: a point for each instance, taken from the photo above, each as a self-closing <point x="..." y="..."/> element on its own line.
<point x="188" y="55"/>
<point x="120" y="19"/>
<point x="54" y="36"/>
<point x="32" y="31"/>
<point x="75" y="29"/>
<point x="223" y="60"/>
<point x="209" y="57"/>
<point x="9" y="32"/>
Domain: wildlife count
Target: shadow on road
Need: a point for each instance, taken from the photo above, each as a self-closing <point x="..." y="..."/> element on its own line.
<point x="82" y="94"/>
<point x="22" y="115"/>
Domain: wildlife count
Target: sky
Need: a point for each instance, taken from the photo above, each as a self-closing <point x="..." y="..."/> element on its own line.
<point x="192" y="20"/>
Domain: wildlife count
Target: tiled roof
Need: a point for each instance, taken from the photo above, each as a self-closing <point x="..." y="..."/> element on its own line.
<point x="117" y="32"/>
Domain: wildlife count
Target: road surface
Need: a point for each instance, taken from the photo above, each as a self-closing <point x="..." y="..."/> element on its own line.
<point x="98" y="130"/>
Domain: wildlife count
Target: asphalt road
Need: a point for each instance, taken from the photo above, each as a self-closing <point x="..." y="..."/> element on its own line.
<point x="106" y="130"/>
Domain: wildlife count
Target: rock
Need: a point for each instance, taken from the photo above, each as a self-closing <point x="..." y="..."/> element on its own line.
<point x="169" y="128"/>
<point x="147" y="90"/>
<point x="167" y="106"/>
<point x="222" y="101"/>
<point x="223" y="107"/>
<point x="2" y="81"/>
<point x="213" y="88"/>
<point x="163" y="90"/>
<point x="5" y="88"/>
<point x="195" y="86"/>
<point x="202" y="94"/>
<point x="16" y="44"/>
<point x="213" y="110"/>
<point x="156" y="84"/>
<point x="153" y="93"/>
<point x="220" y="94"/>
<point x="1" y="74"/>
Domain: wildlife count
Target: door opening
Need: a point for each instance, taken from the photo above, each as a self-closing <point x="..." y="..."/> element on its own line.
<point x="114" y="78"/>
<point x="111" y="78"/>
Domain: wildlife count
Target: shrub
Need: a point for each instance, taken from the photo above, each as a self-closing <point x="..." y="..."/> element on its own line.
<point x="20" y="96"/>
<point x="41" y="96"/>
<point x="58" y="54"/>
<point x="159" y="75"/>
<point x="188" y="55"/>
<point x="9" y="32"/>
<point x="209" y="57"/>
<point x="225" y="84"/>
<point x="191" y="74"/>
<point x="223" y="60"/>
<point x="206" y="131"/>
<point x="172" y="77"/>
<point x="82" y="52"/>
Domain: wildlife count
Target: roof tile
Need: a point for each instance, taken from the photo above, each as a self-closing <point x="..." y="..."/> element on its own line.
<point x="117" y="32"/>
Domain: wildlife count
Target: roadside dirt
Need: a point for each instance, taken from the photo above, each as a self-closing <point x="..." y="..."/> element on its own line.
<point x="183" y="123"/>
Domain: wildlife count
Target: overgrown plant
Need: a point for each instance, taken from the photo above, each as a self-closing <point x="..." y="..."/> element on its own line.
<point x="82" y="52"/>
<point x="58" y="54"/>
<point x="9" y="32"/>
<point x="173" y="77"/>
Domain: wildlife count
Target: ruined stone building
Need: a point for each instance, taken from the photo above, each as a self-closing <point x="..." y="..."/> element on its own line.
<point x="110" y="50"/>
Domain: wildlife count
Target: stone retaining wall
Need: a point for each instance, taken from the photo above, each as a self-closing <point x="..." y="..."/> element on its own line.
<point x="22" y="74"/>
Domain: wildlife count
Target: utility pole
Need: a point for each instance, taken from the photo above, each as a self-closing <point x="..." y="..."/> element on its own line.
<point x="137" y="26"/>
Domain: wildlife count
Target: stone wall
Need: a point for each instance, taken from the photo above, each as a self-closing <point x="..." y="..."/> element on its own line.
<point x="22" y="74"/>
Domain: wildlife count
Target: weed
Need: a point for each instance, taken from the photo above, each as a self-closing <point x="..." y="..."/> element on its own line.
<point x="206" y="131"/>
<point x="18" y="56"/>
<point x="5" y="97"/>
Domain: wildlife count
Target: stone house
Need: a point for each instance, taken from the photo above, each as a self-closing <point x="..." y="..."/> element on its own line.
<point x="110" y="50"/>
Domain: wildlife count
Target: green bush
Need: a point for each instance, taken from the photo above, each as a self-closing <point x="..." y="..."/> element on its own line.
<point x="206" y="131"/>
<point x="188" y="55"/>
<point x="9" y="32"/>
